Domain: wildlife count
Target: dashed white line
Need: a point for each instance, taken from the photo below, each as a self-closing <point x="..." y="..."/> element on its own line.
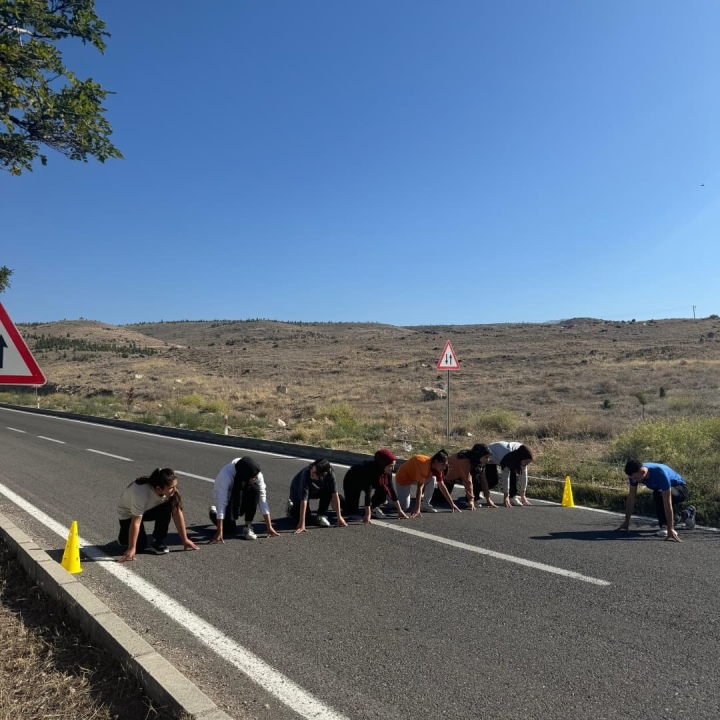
<point x="59" y="442"/>
<point x="117" y="457"/>
<point x="264" y="675"/>
<point x="494" y="554"/>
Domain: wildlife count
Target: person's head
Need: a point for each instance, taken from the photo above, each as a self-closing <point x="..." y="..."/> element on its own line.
<point x="518" y="460"/>
<point x="480" y="453"/>
<point x="634" y="469"/>
<point x="164" y="484"/>
<point x="439" y="461"/>
<point x="320" y="468"/>
<point x="246" y="469"/>
<point x="384" y="461"/>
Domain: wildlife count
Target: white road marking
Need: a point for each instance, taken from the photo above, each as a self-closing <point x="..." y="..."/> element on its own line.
<point x="117" y="457"/>
<point x="493" y="554"/>
<point x="257" y="670"/>
<point x="59" y="442"/>
<point x="197" y="477"/>
<point x="15" y="430"/>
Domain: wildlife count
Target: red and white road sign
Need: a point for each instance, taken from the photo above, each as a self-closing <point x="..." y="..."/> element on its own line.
<point x="448" y="360"/>
<point x="17" y="365"/>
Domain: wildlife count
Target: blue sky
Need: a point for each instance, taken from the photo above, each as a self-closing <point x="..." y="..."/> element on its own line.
<point x="398" y="161"/>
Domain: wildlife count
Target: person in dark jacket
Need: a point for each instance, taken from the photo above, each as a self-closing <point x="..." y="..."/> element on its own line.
<point x="371" y="477"/>
<point x="316" y="481"/>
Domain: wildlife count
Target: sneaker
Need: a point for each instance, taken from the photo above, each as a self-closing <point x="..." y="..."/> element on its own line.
<point x="428" y="508"/>
<point x="288" y="508"/>
<point x="689" y="514"/>
<point x="248" y="533"/>
<point x="377" y="513"/>
<point x="157" y="548"/>
<point x="212" y="514"/>
<point x="662" y="532"/>
<point x="322" y="521"/>
<point x="516" y="501"/>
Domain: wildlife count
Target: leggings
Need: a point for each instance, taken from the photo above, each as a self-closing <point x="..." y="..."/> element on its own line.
<point x="161" y="514"/>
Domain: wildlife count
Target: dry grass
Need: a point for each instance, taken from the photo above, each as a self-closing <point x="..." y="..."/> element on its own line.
<point x="577" y="382"/>
<point x="49" y="670"/>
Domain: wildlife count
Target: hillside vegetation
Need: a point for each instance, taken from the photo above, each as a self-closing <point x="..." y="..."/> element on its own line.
<point x="584" y="393"/>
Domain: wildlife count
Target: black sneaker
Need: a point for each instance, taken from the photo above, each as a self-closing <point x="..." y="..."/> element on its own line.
<point x="157" y="548"/>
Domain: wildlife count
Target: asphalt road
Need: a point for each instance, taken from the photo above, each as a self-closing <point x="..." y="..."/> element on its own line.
<point x="375" y="623"/>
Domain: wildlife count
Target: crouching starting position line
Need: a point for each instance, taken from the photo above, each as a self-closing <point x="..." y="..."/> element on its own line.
<point x="316" y="481"/>
<point x="238" y="491"/>
<point x="151" y="498"/>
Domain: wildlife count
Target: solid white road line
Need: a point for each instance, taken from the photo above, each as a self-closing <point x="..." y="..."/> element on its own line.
<point x="117" y="457"/>
<point x="59" y="442"/>
<point x="493" y="554"/>
<point x="256" y="669"/>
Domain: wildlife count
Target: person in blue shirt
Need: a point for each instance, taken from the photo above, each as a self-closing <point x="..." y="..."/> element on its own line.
<point x="669" y="489"/>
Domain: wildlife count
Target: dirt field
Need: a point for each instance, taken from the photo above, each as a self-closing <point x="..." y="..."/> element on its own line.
<point x="581" y="379"/>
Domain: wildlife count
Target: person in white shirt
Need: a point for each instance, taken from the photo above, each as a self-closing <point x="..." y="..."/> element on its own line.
<point x="513" y="459"/>
<point x="238" y="491"/>
<point x="154" y="497"/>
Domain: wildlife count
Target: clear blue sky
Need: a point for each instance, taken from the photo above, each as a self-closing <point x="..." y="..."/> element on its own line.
<point x="399" y="161"/>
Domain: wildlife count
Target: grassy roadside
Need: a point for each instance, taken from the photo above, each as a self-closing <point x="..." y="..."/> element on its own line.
<point x="49" y="670"/>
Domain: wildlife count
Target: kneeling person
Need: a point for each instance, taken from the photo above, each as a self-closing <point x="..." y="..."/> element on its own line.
<point x="238" y="491"/>
<point x="154" y="497"/>
<point x="316" y="481"/>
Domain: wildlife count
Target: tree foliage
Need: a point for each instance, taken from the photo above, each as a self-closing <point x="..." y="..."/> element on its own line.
<point x="43" y="103"/>
<point x="5" y="273"/>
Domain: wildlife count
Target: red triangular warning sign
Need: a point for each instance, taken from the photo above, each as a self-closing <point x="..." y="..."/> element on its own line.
<point x="448" y="360"/>
<point x="17" y="365"/>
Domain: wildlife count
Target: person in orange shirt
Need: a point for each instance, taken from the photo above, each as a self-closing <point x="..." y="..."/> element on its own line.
<point x="423" y="473"/>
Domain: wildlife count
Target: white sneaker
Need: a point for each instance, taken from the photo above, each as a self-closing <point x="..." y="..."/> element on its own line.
<point x="248" y="533"/>
<point x="662" y="532"/>
<point x="377" y="513"/>
<point x="428" y="508"/>
<point x="689" y="514"/>
<point x="516" y="501"/>
<point x="322" y="521"/>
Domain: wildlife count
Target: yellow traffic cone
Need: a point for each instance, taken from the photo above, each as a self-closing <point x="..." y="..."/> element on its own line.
<point x="567" y="500"/>
<point x="71" y="556"/>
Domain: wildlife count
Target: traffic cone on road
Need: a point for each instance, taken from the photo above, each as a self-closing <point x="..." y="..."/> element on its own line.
<point x="71" y="556"/>
<point x="567" y="499"/>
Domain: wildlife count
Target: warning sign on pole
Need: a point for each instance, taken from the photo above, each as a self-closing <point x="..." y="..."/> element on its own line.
<point x="17" y="365"/>
<point x="448" y="359"/>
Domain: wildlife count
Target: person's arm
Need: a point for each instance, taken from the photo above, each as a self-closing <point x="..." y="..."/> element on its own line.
<point x="133" y="533"/>
<point x="629" y="505"/>
<point x="179" y="520"/>
<point x="418" y="501"/>
<point x="505" y="478"/>
<point x="469" y="493"/>
<point x="485" y="490"/>
<point x="448" y="497"/>
<point x="338" y="510"/>
<point x="270" y="529"/>
<point x="301" y="520"/>
<point x="667" y="503"/>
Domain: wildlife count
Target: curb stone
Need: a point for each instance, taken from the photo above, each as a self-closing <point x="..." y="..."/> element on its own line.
<point x="163" y="683"/>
